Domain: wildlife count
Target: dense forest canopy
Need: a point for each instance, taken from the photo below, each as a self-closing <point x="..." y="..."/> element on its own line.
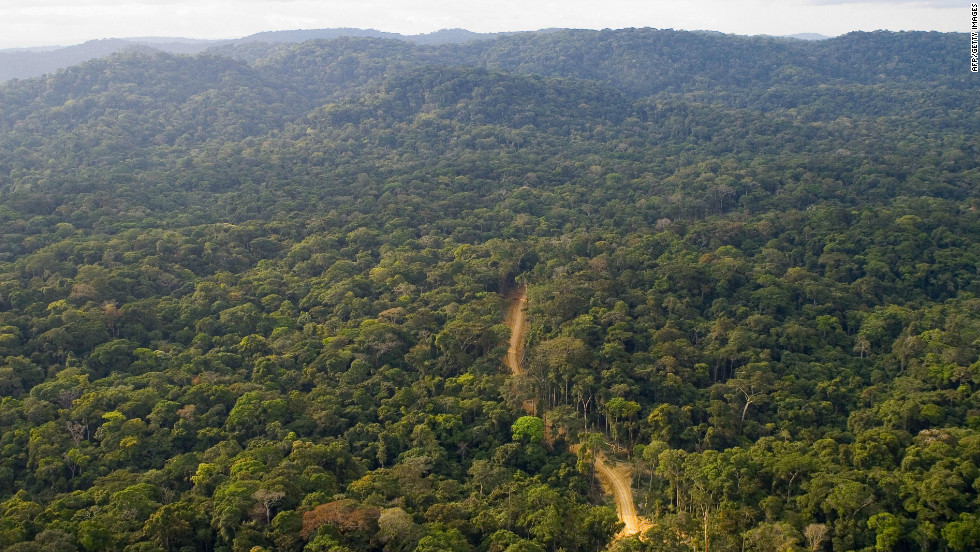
<point x="254" y="299"/>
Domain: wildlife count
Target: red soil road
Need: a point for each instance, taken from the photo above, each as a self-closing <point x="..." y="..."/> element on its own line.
<point x="515" y="321"/>
<point x="614" y="479"/>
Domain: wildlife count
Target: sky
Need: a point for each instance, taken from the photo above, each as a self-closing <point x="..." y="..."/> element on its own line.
<point x="30" y="23"/>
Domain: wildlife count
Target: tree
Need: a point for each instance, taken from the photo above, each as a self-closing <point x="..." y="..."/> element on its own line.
<point x="268" y="499"/>
<point x="670" y="466"/>
<point x="346" y="516"/>
<point x="888" y="530"/>
<point x="618" y="408"/>
<point x="172" y="525"/>
<point x="528" y="429"/>
<point x="397" y="530"/>
<point x="750" y="387"/>
<point x="556" y="362"/>
<point x="815" y="534"/>
<point x="963" y="533"/>
<point x="438" y="539"/>
<point x="589" y="452"/>
<point x="772" y="537"/>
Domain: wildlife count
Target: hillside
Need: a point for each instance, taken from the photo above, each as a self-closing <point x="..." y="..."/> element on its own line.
<point x="20" y="63"/>
<point x="256" y="298"/>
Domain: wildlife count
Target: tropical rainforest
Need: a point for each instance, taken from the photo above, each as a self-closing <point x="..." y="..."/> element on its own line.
<point x="254" y="299"/>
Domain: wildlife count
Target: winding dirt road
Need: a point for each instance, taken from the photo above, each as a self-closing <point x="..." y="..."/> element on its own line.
<point x="515" y="321"/>
<point x="615" y="478"/>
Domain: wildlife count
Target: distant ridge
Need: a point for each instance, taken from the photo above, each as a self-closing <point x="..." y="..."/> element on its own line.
<point x="444" y="36"/>
<point x="34" y="62"/>
<point x="809" y="36"/>
<point x="20" y="63"/>
<point x="302" y="35"/>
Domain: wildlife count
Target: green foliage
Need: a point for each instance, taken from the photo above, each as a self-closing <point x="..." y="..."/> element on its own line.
<point x="529" y="429"/>
<point x="256" y="299"/>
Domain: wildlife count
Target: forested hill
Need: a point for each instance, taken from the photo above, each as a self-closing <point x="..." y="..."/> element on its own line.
<point x="19" y="63"/>
<point x="254" y="299"/>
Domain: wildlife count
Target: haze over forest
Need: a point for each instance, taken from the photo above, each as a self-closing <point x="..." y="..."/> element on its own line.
<point x="34" y="62"/>
<point x="256" y="297"/>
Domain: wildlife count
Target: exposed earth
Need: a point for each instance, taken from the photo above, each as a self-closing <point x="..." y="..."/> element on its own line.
<point x="615" y="477"/>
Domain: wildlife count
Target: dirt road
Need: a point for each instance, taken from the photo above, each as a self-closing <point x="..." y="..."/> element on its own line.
<point x="515" y="321"/>
<point x="615" y="479"/>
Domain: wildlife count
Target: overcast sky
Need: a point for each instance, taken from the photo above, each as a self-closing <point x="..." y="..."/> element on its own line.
<point x="64" y="22"/>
